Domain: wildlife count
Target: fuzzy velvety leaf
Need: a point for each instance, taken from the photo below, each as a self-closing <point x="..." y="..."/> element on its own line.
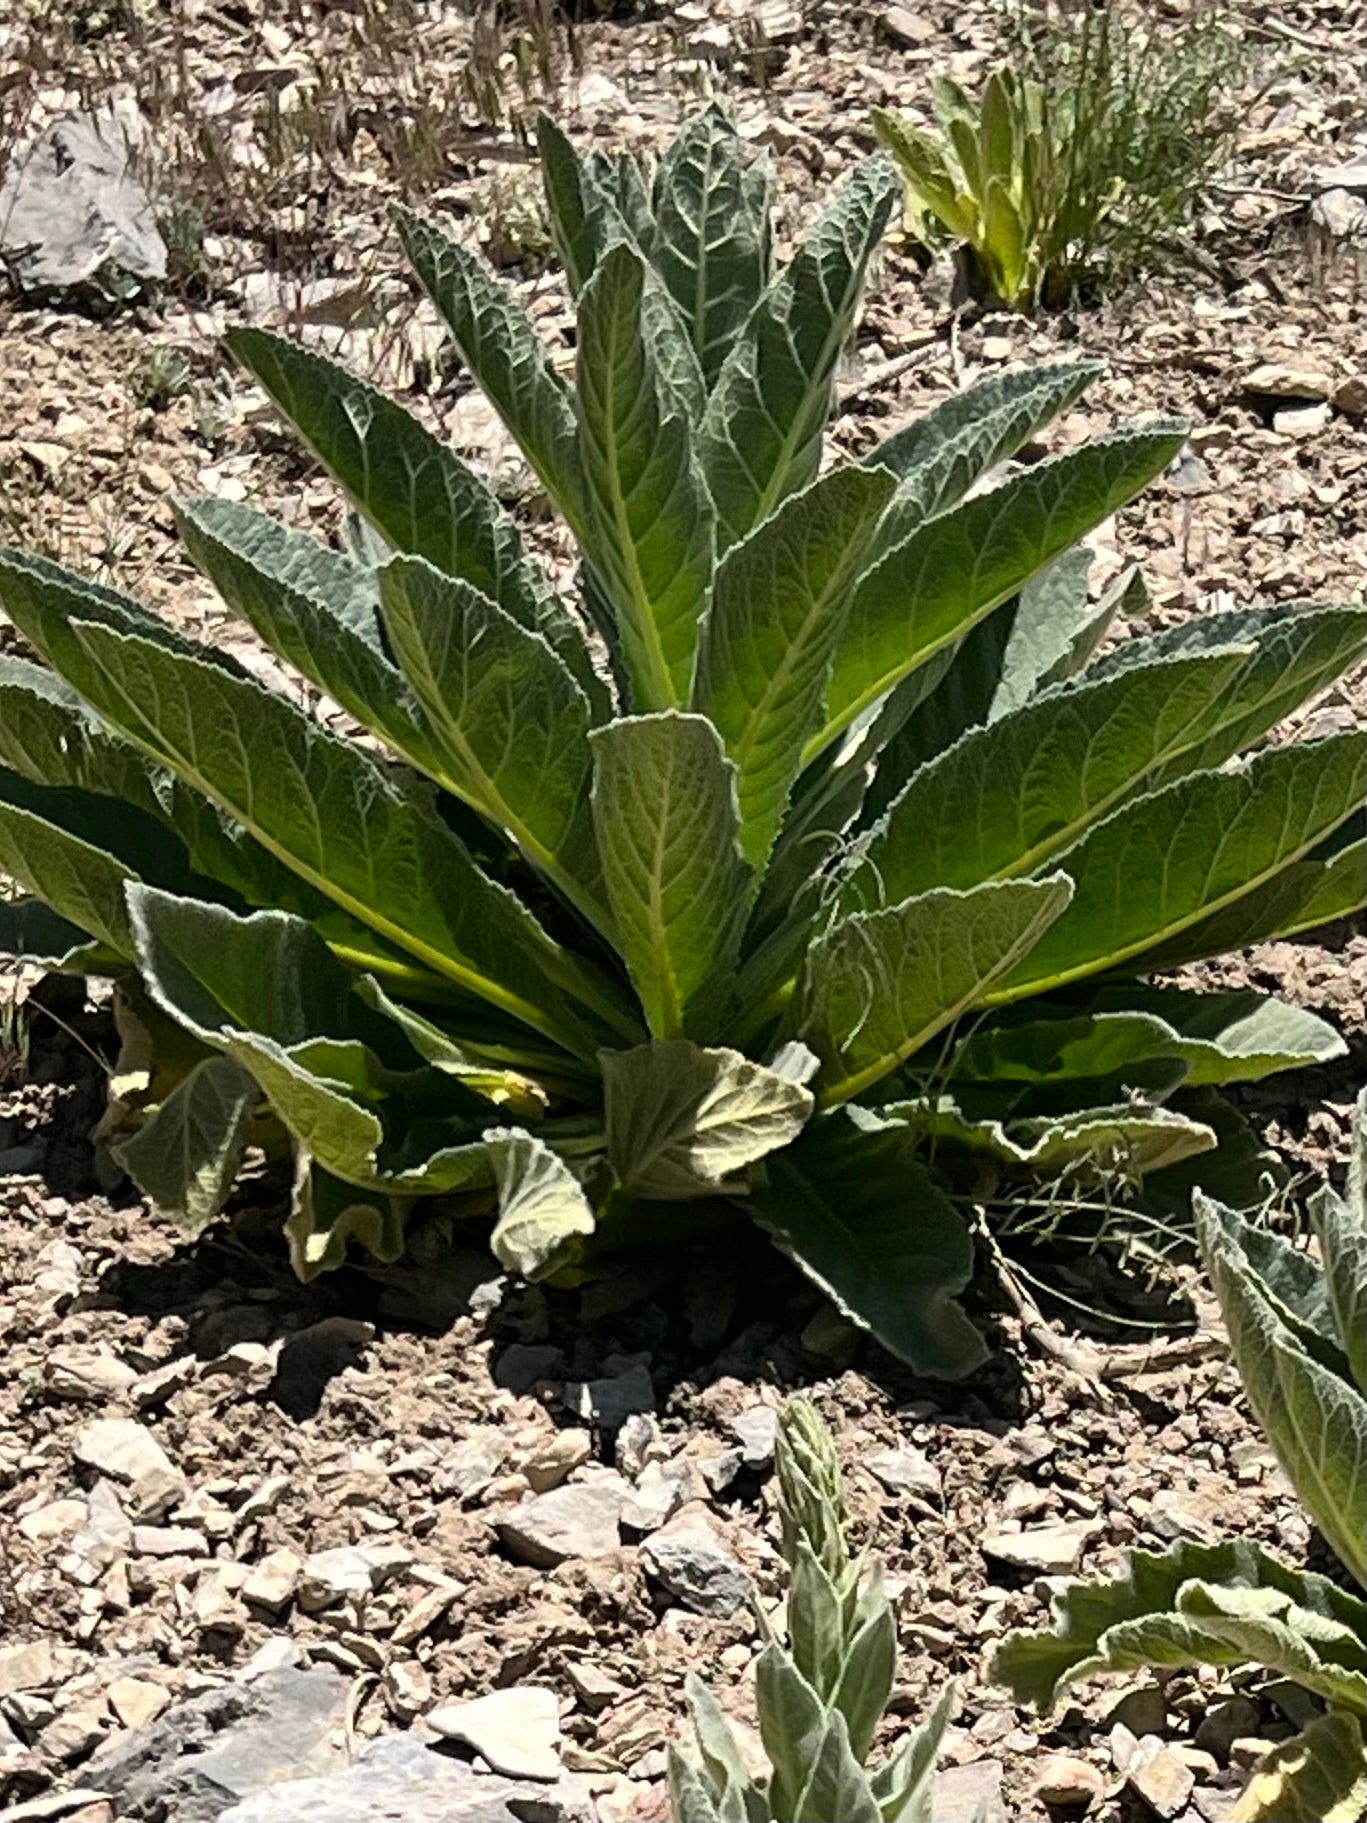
<point x="691" y="1793"/>
<point x="650" y="520"/>
<point x="993" y="417"/>
<point x="1236" y="1037"/>
<point x="930" y="589"/>
<point x="573" y="207"/>
<point x="879" y="985"/>
<point x="48" y="735"/>
<point x="1341" y="1225"/>
<point x="186" y="1154"/>
<point x="1165" y="862"/>
<point x="326" y="809"/>
<point x="684" y="1122"/>
<point x="1096" y="1143"/>
<point x="541" y="1204"/>
<point x="334" y="581"/>
<point x="1037" y="1666"/>
<point x="851" y="1203"/>
<point x="409" y="484"/>
<point x="1315" y="1421"/>
<point x="243" y="554"/>
<point x="835" y="1785"/>
<point x="905" y="1785"/>
<point x="1318" y="1776"/>
<point x="326" y="1214"/>
<point x="509" y="721"/>
<point x="1008" y="797"/>
<point x="775" y="617"/>
<point x="501" y="348"/>
<point x="1300" y="898"/>
<point x="1298" y="650"/>
<point x="711" y="243"/>
<point x="867" y="1675"/>
<point x="792" y="1724"/>
<point x="761" y="438"/>
<point x="664" y="807"/>
<point x="265" y="990"/>
<point x="945" y="452"/>
<point x="76" y="851"/>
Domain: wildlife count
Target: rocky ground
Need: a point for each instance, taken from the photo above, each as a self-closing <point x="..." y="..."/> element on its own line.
<point x="246" y="1526"/>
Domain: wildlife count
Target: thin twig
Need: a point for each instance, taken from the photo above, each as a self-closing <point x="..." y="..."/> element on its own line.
<point x="1293" y="35"/>
<point x="1081" y="1357"/>
<point x="1276" y="196"/>
<point x="879" y="377"/>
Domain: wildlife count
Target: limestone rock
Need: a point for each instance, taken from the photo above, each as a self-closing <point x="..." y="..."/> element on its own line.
<point x="1159" y="1776"/>
<point x="217" y="1748"/>
<point x="517" y="1731"/>
<point x="1054" y="1550"/>
<point x="397" y="1776"/>
<point x="906" y="1471"/>
<point x="274" y="1581"/>
<point x="577" y="1520"/>
<point x="692" y="1563"/>
<point x="1064" y="1779"/>
<point x="757" y="1432"/>
<point x="122" y="1449"/>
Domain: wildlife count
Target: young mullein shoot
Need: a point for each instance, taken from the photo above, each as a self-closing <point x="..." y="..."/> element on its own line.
<point x="822" y="1691"/>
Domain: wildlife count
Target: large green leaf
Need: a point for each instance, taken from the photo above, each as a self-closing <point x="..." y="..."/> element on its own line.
<point x="993" y="416"/>
<point x="1318" y="1776"/>
<point x="1315" y="1421"/>
<point x="76" y="851"/>
<point x="510" y="723"/>
<point x="852" y="1204"/>
<point x="265" y="991"/>
<point x="1162" y="863"/>
<point x="498" y="344"/>
<point x="409" y="484"/>
<point x="946" y="451"/>
<point x="253" y="564"/>
<point x="1297" y="650"/>
<point x="1341" y="1225"/>
<point x="186" y="1154"/>
<point x="761" y="438"/>
<point x="573" y="205"/>
<point x="879" y="985"/>
<point x="1301" y="897"/>
<point x="930" y="589"/>
<point x="684" y="1122"/>
<point x="1011" y="795"/>
<point x="48" y="736"/>
<point x="650" y="521"/>
<point x="711" y="234"/>
<point x="1219" y="1038"/>
<point x="326" y="1215"/>
<point x="324" y="808"/>
<point x="1096" y="1144"/>
<point x="664" y="808"/>
<point x="542" y="1207"/>
<point x="1104" y="1626"/>
<point x="776" y="614"/>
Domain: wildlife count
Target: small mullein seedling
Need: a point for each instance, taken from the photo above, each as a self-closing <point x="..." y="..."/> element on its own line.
<point x="821" y="1693"/>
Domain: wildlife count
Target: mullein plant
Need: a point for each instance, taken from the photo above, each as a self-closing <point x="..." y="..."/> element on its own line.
<point x="801" y="864"/>
<point x="822" y="1683"/>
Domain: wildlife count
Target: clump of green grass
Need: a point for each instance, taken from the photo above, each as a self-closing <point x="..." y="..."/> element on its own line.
<point x="1082" y="162"/>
